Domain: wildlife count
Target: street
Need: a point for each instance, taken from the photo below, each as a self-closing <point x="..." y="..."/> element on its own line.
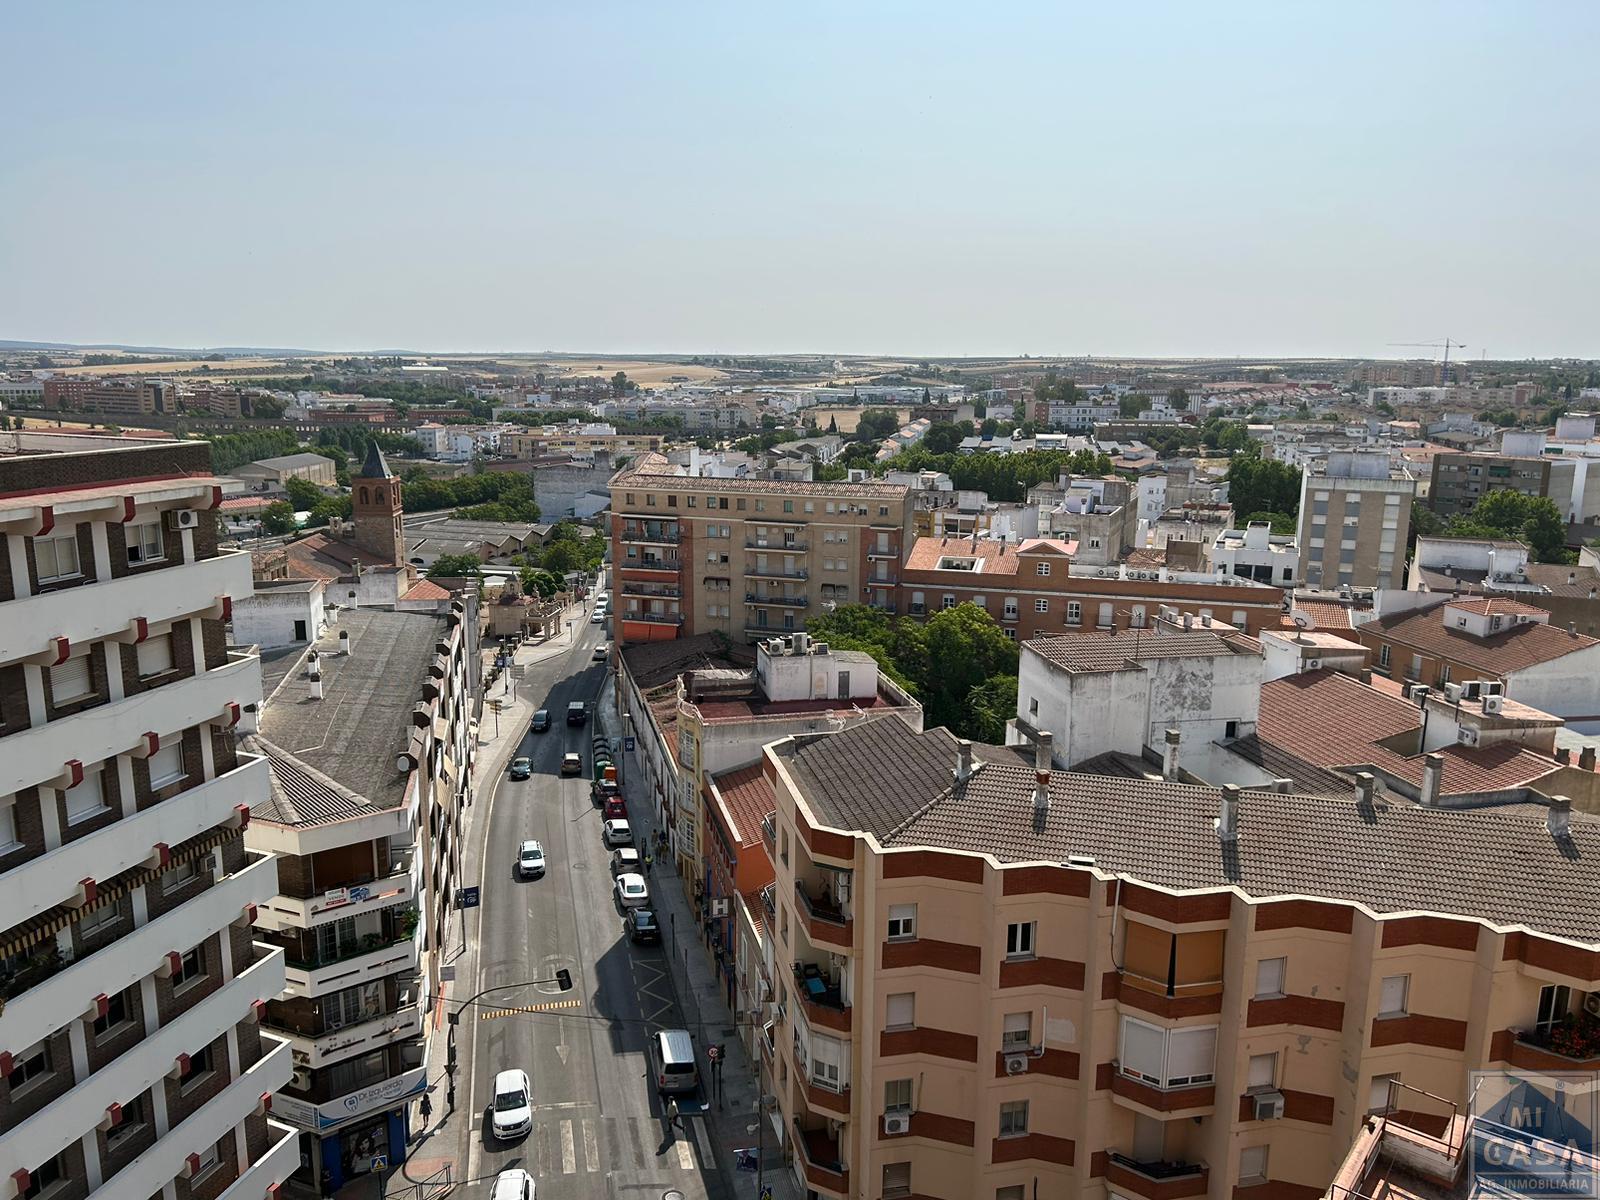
<point x="599" y="1127"/>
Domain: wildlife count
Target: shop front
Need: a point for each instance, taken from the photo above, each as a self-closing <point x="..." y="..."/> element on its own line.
<point x="363" y="1133"/>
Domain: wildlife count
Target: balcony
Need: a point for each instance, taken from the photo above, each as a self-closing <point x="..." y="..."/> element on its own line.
<point x="779" y="547"/>
<point x="890" y="554"/>
<point x="817" y="1159"/>
<point x="309" y="912"/>
<point x="93" y="611"/>
<point x="361" y="1037"/>
<point x="276" y="1165"/>
<point x="669" y="566"/>
<point x="775" y="573"/>
<point x="820" y="1000"/>
<point x="916" y="609"/>
<point x="1555" y="1049"/>
<point x="1156" y="1180"/>
<point x="825" y="922"/>
<point x="769" y="835"/>
<point x="835" y="1102"/>
<point x="42" y="883"/>
<point x="769" y="902"/>
<point x="664" y="591"/>
<point x="36" y="756"/>
<point x="51" y="1129"/>
<point x="776" y="601"/>
<point x="360" y="966"/>
<point x="651" y="537"/>
<point x="67" y="992"/>
<point x="1196" y="1100"/>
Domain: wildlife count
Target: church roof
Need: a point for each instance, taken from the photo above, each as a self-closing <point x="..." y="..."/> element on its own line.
<point x="375" y="467"/>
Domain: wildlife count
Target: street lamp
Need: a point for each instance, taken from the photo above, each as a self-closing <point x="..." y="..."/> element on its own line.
<point x="562" y="979"/>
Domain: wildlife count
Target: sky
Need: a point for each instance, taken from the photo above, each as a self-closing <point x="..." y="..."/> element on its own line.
<point x="1254" y="179"/>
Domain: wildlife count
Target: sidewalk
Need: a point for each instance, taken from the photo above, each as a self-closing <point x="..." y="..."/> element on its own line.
<point x="701" y="995"/>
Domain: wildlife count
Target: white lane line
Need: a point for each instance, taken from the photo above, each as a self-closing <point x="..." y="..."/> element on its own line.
<point x="685" y="1155"/>
<point x="569" y="1161"/>
<point x="707" y="1161"/>
<point x="591" y="1146"/>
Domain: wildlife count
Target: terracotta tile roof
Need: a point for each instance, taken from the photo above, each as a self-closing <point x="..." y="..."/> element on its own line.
<point x="756" y="909"/>
<point x="1515" y="649"/>
<point x="426" y="589"/>
<point x="1084" y="653"/>
<point x="1389" y="857"/>
<point x="1326" y="616"/>
<point x="991" y="557"/>
<point x="243" y="504"/>
<point x="747" y="796"/>
<point x="319" y="556"/>
<point x="1145" y="557"/>
<point x="1498" y="605"/>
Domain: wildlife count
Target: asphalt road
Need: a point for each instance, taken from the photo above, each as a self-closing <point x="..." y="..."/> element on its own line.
<point x="599" y="1128"/>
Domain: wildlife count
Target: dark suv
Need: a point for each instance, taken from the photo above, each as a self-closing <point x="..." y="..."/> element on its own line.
<point x="640" y="925"/>
<point x="541" y="721"/>
<point x="577" y="713"/>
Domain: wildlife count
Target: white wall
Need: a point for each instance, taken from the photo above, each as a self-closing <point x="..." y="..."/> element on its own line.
<point x="268" y="618"/>
<point x="1563" y="687"/>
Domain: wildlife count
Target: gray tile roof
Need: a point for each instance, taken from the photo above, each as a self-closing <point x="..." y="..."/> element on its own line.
<point x="299" y="795"/>
<point x="1505" y="868"/>
<point x="287" y="462"/>
<point x="1089" y="652"/>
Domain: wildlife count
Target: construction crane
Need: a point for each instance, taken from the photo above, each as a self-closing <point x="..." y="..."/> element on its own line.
<point x="1444" y="370"/>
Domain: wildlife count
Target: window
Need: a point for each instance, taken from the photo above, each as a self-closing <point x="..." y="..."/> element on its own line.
<point x="1230" y="730"/>
<point x="1444" y="671"/>
<point x="200" y="1066"/>
<point x="8" y="824"/>
<point x="949" y="600"/>
<point x="155" y="655"/>
<point x="1383" y="656"/>
<point x="1378" y="1094"/>
<point x="71" y="680"/>
<point x="192" y="967"/>
<point x="1041" y="568"/>
<point x="1263" y="1071"/>
<point x="827" y="1057"/>
<point x="87" y="799"/>
<point x="45" y="1176"/>
<point x="1016" y="1191"/>
<point x="56" y="557"/>
<point x="179" y="876"/>
<point x="132" y="1118"/>
<point x="32" y="1064"/>
<point x="1269" y="977"/>
<point x="166" y="766"/>
<point x="1017" y="1033"/>
<point x="1253" y="1164"/>
<point x="1019" y="939"/>
<point x="1041" y="605"/>
<point x="1011" y="608"/>
<point x="99" y="920"/>
<point x="144" y="542"/>
<point x="788" y="506"/>
<point x="1392" y="995"/>
<point x="896" y="1179"/>
<point x="116" y="1013"/>
<point x="1013" y="1118"/>
<point x="1074" y="612"/>
<point x="897" y="1095"/>
<point x="902" y="921"/>
<point x="1554" y="1001"/>
<point x="209" y="1158"/>
<point x="1033" y="707"/>
<point x="901" y="1011"/>
<point x="1168" y="1058"/>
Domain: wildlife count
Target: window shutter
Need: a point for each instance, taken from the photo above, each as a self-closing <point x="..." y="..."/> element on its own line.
<point x="1393" y="997"/>
<point x="1199" y="958"/>
<point x="1269" y="977"/>
<point x="166" y="765"/>
<point x="70" y="680"/>
<point x="1143" y="1047"/>
<point x="85" y="799"/>
<point x="155" y="654"/>
<point x="1147" y="952"/>
<point x="1263" y="1070"/>
<point x="902" y="1010"/>
<point x="1378" y="1094"/>
<point x="1192" y="1054"/>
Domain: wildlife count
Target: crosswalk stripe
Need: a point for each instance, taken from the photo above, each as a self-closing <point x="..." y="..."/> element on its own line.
<point x="591" y="1146"/>
<point x="685" y="1155"/>
<point x="542" y="1149"/>
<point x="636" y="1142"/>
<point x="553" y="1006"/>
<point x="569" y="1162"/>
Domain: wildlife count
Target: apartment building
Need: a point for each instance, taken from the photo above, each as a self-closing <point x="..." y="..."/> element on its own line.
<point x="1479" y="567"/>
<point x="555" y="439"/>
<point x="996" y="980"/>
<point x="747" y="558"/>
<point x="367" y="738"/>
<point x="112" y="397"/>
<point x="1255" y="552"/>
<point x="1355" y="517"/>
<point x="1032" y="590"/>
<point x="1460" y="480"/>
<point x="132" y="1058"/>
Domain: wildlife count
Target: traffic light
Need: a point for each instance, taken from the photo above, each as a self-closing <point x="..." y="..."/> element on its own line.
<point x="564" y="979"/>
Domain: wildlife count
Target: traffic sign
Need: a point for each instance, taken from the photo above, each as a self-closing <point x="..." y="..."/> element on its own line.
<point x="469" y="897"/>
<point x="627" y="744"/>
<point x="714" y="1051"/>
<point x="495" y="704"/>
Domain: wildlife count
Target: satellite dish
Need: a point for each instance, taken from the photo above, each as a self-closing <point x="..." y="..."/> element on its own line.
<point x="1303" y="620"/>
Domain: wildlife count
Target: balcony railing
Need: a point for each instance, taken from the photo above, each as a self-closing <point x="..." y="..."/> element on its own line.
<point x="873" y="552"/>
<point x="362" y="964"/>
<point x="1157" y="1180"/>
<point x="654" y="618"/>
<point x="776" y="601"/>
<point x="358" y="1037"/>
<point x="821" y="1001"/>
<point x="769" y="833"/>
<point x="308" y="912"/>
<point x="652" y="564"/>
<point x="665" y="591"/>
<point x="825" y="923"/>
<point x="775" y="573"/>
<point x="648" y="537"/>
<point x="780" y="547"/>
<point x="915" y="609"/>
<point x="817" y="1155"/>
<point x="769" y="900"/>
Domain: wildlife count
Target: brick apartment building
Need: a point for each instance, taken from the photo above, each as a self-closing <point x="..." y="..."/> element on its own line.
<point x="112" y="397"/>
<point x="1029" y="588"/>
<point x="536" y="443"/>
<point x="747" y="558"/>
<point x="1459" y="481"/>
<point x="132" y="1058"/>
<point x="996" y="980"/>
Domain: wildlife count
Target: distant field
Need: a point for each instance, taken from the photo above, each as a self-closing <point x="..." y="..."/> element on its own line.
<point x="155" y="367"/>
<point x="644" y="373"/>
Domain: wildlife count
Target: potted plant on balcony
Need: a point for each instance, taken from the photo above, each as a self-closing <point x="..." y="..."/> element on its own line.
<point x="1575" y="1036"/>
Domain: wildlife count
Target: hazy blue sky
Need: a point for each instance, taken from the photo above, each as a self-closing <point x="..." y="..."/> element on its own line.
<point x="1256" y="179"/>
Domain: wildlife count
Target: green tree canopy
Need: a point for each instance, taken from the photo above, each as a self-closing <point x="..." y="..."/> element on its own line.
<point x="303" y="494"/>
<point x="969" y="649"/>
<point x="991" y="704"/>
<point x="1263" y="485"/>
<point x="877" y="424"/>
<point x="1531" y="519"/>
<point x="278" y="517"/>
<point x="456" y="566"/>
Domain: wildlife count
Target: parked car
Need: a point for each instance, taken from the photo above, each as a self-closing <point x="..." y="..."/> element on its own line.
<point x="577" y="713"/>
<point x="602" y="789"/>
<point x="541" y="721"/>
<point x="672" y="1061"/>
<point x="513" y="1105"/>
<point x="572" y="763"/>
<point x="617" y="833"/>
<point x="599" y="617"/>
<point x="614" y="808"/>
<point x="631" y="891"/>
<point x="513" y="1184"/>
<point x="530" y="860"/>
<point x="625" y="861"/>
<point x="521" y="768"/>
<point x="640" y="925"/>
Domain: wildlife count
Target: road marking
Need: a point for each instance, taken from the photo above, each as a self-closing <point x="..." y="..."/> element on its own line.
<point x="542" y="1149"/>
<point x="563" y="1104"/>
<point x="685" y="1155"/>
<point x="707" y="1162"/>
<point x="493" y="1013"/>
<point x="591" y="1147"/>
<point x="569" y="1162"/>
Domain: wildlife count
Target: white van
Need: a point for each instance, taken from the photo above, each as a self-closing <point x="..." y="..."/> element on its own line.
<point x="672" y="1061"/>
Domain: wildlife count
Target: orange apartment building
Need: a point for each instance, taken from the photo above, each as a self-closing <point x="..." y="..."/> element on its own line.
<point x="1029" y="588"/>
<point x="996" y="981"/>
<point x="747" y="558"/>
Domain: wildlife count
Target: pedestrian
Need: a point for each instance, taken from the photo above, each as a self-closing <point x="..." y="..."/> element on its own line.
<point x="427" y="1109"/>
<point x="647" y="861"/>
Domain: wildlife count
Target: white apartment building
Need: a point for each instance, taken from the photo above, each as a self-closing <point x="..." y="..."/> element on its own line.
<point x="132" y="1058"/>
<point x="1256" y="553"/>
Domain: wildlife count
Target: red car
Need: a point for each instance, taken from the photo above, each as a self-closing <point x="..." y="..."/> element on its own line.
<point x="616" y="809"/>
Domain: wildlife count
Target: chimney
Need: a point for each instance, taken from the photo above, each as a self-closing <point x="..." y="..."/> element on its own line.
<point x="1432" y="776"/>
<point x="344" y="641"/>
<point x="1169" y="756"/>
<point x="1041" y="774"/>
<point x="1205" y="620"/>
<point x="1572" y="629"/>
<point x="1563" y="755"/>
<point x="1572" y="577"/>
<point x="1366" y="786"/>
<point x="1586" y="759"/>
<point x="1188" y="621"/>
<point x="1283" y="786"/>
<point x="1366" y="676"/>
<point x="963" y="760"/>
<point x="1228" y="822"/>
<point x="1559" y="819"/>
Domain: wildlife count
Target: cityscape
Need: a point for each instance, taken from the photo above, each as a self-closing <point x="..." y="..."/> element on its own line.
<point x="1136" y="741"/>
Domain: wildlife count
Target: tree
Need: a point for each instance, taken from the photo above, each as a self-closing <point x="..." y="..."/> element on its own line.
<point x="969" y="649"/>
<point x="1131" y="406"/>
<point x="1263" y="485"/>
<point x="278" y="517"/>
<point x="1532" y="519"/>
<point x="942" y="438"/>
<point x="1283" y="524"/>
<point x="456" y="566"/>
<point x="1178" y="397"/>
<point x="303" y="494"/>
<point x="989" y="428"/>
<point x="877" y="424"/>
<point x="990" y="705"/>
<point x="621" y="385"/>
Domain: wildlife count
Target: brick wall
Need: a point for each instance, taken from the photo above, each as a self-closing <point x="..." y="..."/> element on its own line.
<point x="185" y="1097"/>
<point x="29" y="473"/>
<point x="14" y="715"/>
<point x="119" y="1038"/>
<point x="30" y="829"/>
<point x="137" y="1134"/>
<point x="18" y="1103"/>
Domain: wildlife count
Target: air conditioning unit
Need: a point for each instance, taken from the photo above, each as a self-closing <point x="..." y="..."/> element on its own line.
<point x="1452" y="692"/>
<point x="1493" y="688"/>
<point x="1591" y="1004"/>
<point x="1493" y="705"/>
<point x="1016" y="1064"/>
<point x="183" y="518"/>
<point x="1269" y="1106"/>
<point x="896" y="1123"/>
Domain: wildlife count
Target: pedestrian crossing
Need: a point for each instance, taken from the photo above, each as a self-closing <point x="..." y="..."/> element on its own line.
<point x="550" y="1006"/>
<point x="592" y="1145"/>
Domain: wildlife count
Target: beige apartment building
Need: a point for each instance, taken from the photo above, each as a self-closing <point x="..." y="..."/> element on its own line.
<point x="1355" y="517"/>
<point x="747" y="558"/>
<point x="996" y="981"/>
<point x="537" y="443"/>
